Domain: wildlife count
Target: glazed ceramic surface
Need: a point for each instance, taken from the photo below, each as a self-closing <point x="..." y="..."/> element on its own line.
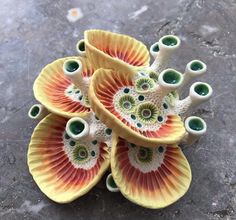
<point x="131" y="101"/>
<point x="65" y="168"/>
<point x="111" y="108"/>
<point x="57" y="93"/>
<point x="108" y="50"/>
<point x="152" y="177"/>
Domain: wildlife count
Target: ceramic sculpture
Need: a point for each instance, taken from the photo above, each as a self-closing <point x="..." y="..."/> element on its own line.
<point x="111" y="109"/>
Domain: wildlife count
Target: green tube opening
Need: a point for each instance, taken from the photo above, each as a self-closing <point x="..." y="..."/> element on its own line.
<point x="81" y="46"/>
<point x="155" y="48"/>
<point x="201" y="89"/>
<point x="71" y="65"/>
<point x="171" y="77"/>
<point x="196" y="124"/>
<point x="76" y="127"/>
<point x="34" y="111"/>
<point x="169" y="41"/>
<point x="111" y="182"/>
<point x="195" y="66"/>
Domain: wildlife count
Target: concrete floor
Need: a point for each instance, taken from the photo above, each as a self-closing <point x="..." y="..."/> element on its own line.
<point x="34" y="33"/>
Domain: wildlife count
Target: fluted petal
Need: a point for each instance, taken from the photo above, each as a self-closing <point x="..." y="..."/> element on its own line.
<point x="57" y="93"/>
<point x="57" y="165"/>
<point x="113" y="51"/>
<point x="103" y="90"/>
<point x="150" y="177"/>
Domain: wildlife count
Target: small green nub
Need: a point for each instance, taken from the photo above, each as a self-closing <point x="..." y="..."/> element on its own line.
<point x="195" y="66"/>
<point x="93" y="153"/>
<point x="160" y="118"/>
<point x="161" y="149"/>
<point x="111" y="182"/>
<point x="171" y="77"/>
<point x="165" y="106"/>
<point x="133" y="117"/>
<point x="126" y="90"/>
<point x="67" y="136"/>
<point x="139" y="125"/>
<point x="35" y="110"/>
<point x="155" y="47"/>
<point x="76" y="127"/>
<point x="72" y="66"/>
<point x="94" y="142"/>
<point x="132" y="145"/>
<point x="72" y="143"/>
<point x="81" y="46"/>
<point x="169" y="41"/>
<point x="108" y="131"/>
<point x="201" y="89"/>
<point x="141" y="98"/>
<point x="196" y="124"/>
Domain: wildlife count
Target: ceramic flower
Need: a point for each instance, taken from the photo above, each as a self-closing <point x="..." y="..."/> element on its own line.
<point x="151" y="177"/>
<point x="142" y="104"/>
<point x="55" y="90"/>
<point x="68" y="157"/>
<point x="110" y="108"/>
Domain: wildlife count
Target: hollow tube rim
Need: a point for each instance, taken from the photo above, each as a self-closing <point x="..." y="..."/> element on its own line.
<point x="80" y="135"/>
<point x="192" y="131"/>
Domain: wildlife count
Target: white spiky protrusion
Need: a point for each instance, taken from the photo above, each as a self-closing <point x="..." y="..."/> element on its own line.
<point x="80" y="48"/>
<point x="89" y="128"/>
<point x="199" y="93"/>
<point x="154" y="50"/>
<point x="73" y="70"/>
<point x="37" y="111"/>
<point x="169" y="80"/>
<point x="77" y="128"/>
<point x="162" y="51"/>
<point x="193" y="69"/>
<point x="110" y="184"/>
<point x="195" y="128"/>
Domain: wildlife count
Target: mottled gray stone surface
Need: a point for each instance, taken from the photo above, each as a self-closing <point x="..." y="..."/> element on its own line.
<point x="35" y="32"/>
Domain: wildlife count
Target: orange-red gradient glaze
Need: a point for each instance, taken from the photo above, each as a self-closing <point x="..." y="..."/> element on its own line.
<point x="105" y="93"/>
<point x="163" y="183"/>
<point x="118" y="46"/>
<point x="58" y="169"/>
<point x="55" y="90"/>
